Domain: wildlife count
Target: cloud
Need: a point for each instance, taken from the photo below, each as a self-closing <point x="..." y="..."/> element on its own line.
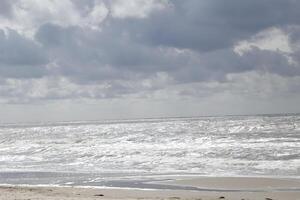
<point x="6" y="7"/>
<point x="133" y="8"/>
<point x="272" y="39"/>
<point x="206" y="26"/>
<point x="100" y="49"/>
<point x="20" y="57"/>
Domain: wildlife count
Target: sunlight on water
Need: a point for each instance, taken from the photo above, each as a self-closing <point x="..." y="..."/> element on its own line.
<point x="238" y="145"/>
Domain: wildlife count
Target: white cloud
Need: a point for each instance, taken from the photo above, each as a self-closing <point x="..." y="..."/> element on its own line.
<point x="135" y="8"/>
<point x="96" y="16"/>
<point x="272" y="39"/>
<point x="29" y="15"/>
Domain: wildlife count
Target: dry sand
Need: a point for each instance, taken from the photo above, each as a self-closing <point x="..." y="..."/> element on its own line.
<point x="265" y="189"/>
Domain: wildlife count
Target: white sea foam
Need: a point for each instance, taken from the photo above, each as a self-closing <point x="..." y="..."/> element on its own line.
<point x="237" y="145"/>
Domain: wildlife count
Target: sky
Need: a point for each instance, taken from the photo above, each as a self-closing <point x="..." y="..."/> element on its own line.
<point x="64" y="60"/>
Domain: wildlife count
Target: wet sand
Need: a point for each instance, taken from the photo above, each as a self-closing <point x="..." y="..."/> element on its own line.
<point x="207" y="189"/>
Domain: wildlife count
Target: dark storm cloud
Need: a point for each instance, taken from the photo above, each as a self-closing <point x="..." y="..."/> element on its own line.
<point x="105" y="54"/>
<point x="214" y="66"/>
<point x="190" y="41"/>
<point x="17" y="50"/>
<point x="294" y="37"/>
<point x="270" y="61"/>
<point x="210" y="25"/>
<point x="6" y="7"/>
<point x="20" y="57"/>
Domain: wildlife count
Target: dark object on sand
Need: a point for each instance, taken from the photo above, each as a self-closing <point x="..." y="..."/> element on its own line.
<point x="269" y="199"/>
<point x="99" y="195"/>
<point x="221" y="197"/>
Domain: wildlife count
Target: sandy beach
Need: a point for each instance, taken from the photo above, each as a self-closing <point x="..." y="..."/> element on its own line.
<point x="209" y="189"/>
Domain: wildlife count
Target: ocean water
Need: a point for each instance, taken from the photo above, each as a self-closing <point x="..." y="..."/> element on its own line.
<point x="99" y="153"/>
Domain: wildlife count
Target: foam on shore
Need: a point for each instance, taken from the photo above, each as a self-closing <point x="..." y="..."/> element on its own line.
<point x="233" y="189"/>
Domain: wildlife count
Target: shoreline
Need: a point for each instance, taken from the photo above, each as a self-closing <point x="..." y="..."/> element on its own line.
<point x="231" y="188"/>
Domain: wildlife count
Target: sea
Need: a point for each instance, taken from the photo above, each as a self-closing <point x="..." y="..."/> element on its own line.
<point x="124" y="153"/>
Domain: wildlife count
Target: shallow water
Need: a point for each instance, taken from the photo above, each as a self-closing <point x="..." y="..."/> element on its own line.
<point x="109" y="150"/>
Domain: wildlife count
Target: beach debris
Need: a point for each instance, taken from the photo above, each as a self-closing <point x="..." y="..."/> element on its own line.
<point x="99" y="195"/>
<point x="221" y="197"/>
<point x="268" y="198"/>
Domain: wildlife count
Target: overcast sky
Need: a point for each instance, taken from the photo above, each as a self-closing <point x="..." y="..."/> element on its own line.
<point x="101" y="59"/>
